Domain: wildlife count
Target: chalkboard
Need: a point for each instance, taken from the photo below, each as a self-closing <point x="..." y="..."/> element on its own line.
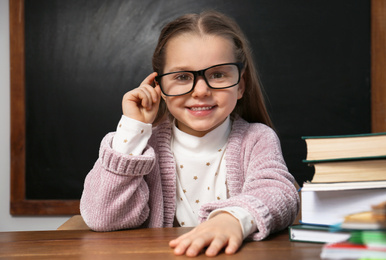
<point x="82" y="56"/>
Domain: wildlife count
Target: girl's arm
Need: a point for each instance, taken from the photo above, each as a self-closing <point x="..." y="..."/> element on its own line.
<point x="115" y="194"/>
<point x="260" y="183"/>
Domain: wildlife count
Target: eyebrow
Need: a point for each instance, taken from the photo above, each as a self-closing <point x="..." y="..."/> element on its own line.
<point x="175" y="69"/>
<point x="186" y="68"/>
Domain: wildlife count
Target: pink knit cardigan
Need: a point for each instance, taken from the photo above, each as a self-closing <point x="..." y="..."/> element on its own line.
<point x="123" y="191"/>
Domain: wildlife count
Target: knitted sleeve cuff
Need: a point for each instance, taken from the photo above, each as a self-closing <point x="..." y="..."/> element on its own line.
<point x="123" y="164"/>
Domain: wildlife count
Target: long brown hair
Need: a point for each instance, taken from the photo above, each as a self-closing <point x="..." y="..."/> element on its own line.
<point x="251" y="106"/>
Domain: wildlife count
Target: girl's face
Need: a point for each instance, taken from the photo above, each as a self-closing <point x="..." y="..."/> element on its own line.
<point x="203" y="109"/>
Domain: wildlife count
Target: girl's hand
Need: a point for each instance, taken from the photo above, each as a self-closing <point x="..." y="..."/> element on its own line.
<point x="221" y="231"/>
<point x="142" y="103"/>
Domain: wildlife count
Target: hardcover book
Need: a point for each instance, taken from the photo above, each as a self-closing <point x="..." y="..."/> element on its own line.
<point x="348" y="250"/>
<point x="316" y="234"/>
<point x="345" y="147"/>
<point x="329" y="204"/>
<point x="350" y="171"/>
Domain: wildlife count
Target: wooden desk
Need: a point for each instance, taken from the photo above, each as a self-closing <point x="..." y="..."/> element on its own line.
<point x="136" y="244"/>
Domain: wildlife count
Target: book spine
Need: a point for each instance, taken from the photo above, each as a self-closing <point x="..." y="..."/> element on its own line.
<point x="342" y="136"/>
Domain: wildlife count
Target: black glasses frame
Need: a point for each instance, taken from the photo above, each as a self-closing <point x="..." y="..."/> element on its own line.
<point x="198" y="73"/>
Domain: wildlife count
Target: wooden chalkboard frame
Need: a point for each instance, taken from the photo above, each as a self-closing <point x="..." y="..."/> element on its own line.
<point x="19" y="204"/>
<point x="22" y="206"/>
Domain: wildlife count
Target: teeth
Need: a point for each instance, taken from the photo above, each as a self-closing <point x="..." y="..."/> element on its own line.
<point x="200" y="108"/>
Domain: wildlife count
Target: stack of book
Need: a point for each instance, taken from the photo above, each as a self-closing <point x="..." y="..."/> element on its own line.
<point x="349" y="177"/>
<point x="347" y="158"/>
<point x="367" y="236"/>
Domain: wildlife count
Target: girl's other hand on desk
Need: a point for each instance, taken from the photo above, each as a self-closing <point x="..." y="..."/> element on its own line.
<point x="221" y="231"/>
<point x="142" y="103"/>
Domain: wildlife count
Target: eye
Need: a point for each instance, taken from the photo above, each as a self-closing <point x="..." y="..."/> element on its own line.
<point x="183" y="77"/>
<point x="217" y="75"/>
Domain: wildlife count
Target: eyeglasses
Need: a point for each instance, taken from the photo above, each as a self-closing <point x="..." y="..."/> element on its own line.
<point x="216" y="77"/>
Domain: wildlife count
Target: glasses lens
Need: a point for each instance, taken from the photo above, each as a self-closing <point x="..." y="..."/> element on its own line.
<point x="223" y="76"/>
<point x="177" y="83"/>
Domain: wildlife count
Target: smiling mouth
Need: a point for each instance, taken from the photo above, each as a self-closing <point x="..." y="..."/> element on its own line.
<point x="200" y="108"/>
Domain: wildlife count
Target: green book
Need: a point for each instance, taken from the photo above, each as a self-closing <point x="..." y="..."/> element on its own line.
<point x="369" y="237"/>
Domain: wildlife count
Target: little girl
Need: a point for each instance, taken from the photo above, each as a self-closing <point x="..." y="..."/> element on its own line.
<point x="194" y="147"/>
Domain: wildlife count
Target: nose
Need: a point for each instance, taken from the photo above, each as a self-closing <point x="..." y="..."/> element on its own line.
<point x="201" y="88"/>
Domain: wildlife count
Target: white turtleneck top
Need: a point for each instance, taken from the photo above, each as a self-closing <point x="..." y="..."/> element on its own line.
<point x="201" y="171"/>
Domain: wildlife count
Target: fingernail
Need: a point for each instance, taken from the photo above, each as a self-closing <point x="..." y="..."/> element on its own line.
<point x="210" y="252"/>
<point x="177" y="251"/>
<point x="191" y="252"/>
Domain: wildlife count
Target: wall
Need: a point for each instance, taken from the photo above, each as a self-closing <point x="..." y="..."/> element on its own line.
<point x="8" y="222"/>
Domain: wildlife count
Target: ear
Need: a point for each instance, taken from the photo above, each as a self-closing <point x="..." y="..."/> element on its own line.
<point x="241" y="88"/>
<point x="163" y="96"/>
<point x="157" y="85"/>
